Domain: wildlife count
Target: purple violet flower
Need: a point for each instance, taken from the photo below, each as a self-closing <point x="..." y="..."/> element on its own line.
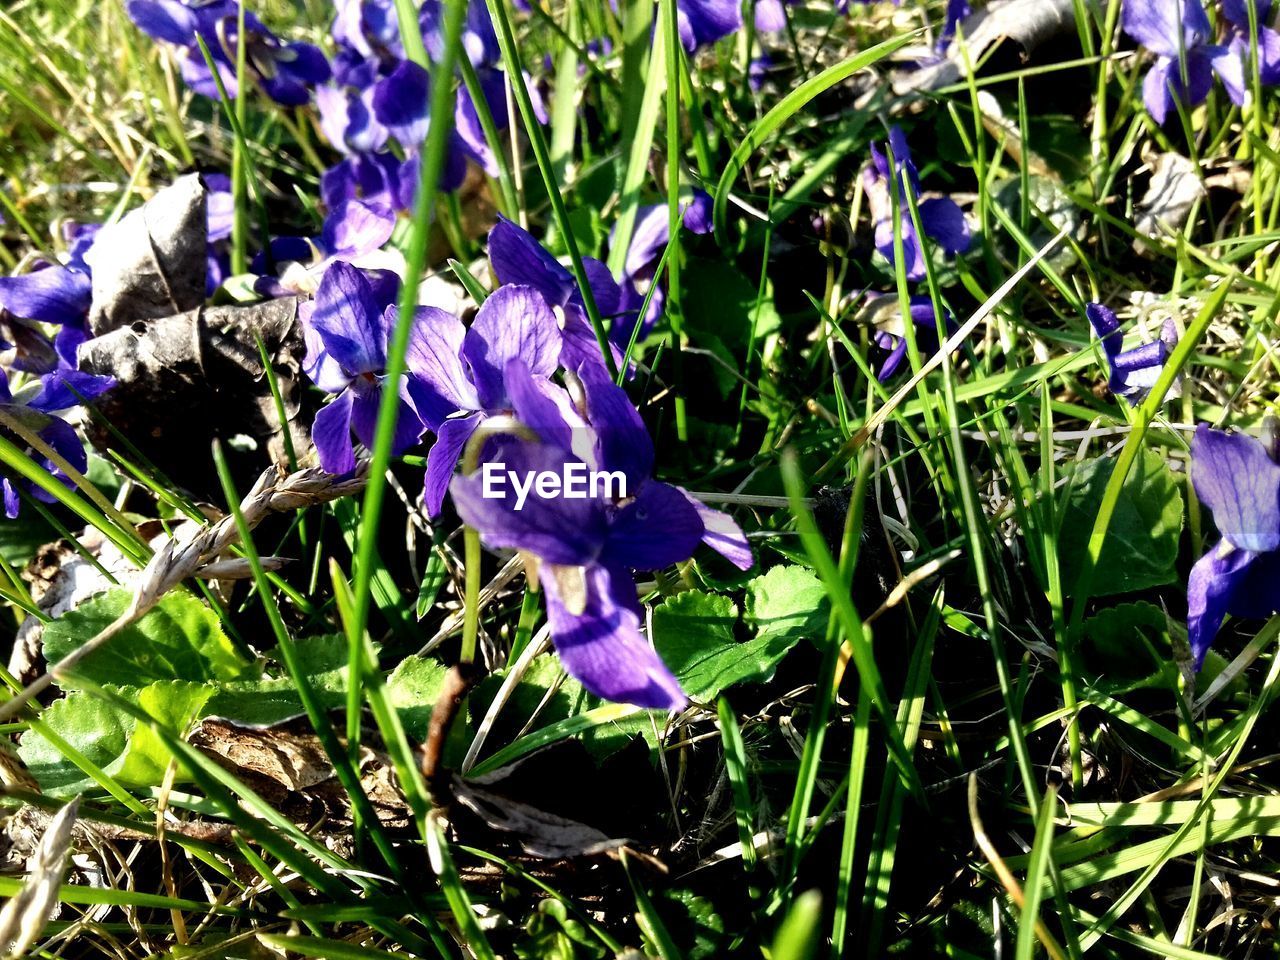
<point x="1236" y="12"/>
<point x="516" y="257"/>
<point x="925" y="320"/>
<point x="346" y="330"/>
<point x="702" y="22"/>
<point x="369" y="28"/>
<point x="460" y="374"/>
<point x="649" y="239"/>
<point x="1133" y="372"/>
<point x="286" y="72"/>
<point x="37" y="407"/>
<point x="587" y="546"/>
<point x="354" y="232"/>
<point x="1178" y="33"/>
<point x="957" y="10"/>
<point x="940" y="217"/>
<point x="1238" y="478"/>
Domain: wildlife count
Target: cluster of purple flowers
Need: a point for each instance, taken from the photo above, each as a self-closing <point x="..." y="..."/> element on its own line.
<point x="1178" y="32"/>
<point x="286" y="72"/>
<point x="886" y="181"/>
<point x="529" y="354"/>
<point x="375" y="110"/>
<point x="57" y="295"/>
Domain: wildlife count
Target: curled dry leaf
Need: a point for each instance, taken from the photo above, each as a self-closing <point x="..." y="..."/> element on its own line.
<point x="540" y="834"/>
<point x="151" y="263"/>
<point x="24" y="917"/>
<point x="1174" y="189"/>
<point x="183" y="379"/>
<point x="288" y="766"/>
<point x="1027" y="23"/>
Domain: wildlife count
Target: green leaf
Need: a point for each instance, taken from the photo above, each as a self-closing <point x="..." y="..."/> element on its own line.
<point x="788" y="600"/>
<point x="719" y="299"/>
<point x="181" y="639"/>
<point x="1130" y="640"/>
<point x="412" y="690"/>
<point x="175" y="703"/>
<point x="694" y="634"/>
<point x="89" y="725"/>
<point x="272" y="700"/>
<point x="1141" y="548"/>
<point x="112" y="740"/>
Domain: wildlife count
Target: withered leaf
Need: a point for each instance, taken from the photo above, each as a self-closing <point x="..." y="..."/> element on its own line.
<point x="183" y="379"/>
<point x="152" y="262"/>
<point x="1028" y="23"/>
<point x="540" y="833"/>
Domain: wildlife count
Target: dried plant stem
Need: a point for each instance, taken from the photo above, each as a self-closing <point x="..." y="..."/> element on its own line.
<point x="1003" y="873"/>
<point x="175" y="561"/>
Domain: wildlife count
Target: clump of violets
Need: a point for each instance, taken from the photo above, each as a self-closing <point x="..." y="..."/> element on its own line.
<point x="375" y="111"/>
<point x="1179" y="34"/>
<point x="940" y="217"/>
<point x="346" y="330"/>
<point x="286" y="72"/>
<point x="39" y="407"/>
<point x="1135" y="371"/>
<point x="585" y="549"/>
<point x="1238" y="478"/>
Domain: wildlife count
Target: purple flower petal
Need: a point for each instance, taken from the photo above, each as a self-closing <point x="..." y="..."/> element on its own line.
<point x="659" y="527"/>
<point x="706" y="21"/>
<point x="604" y="289"/>
<point x="331" y="434"/>
<point x="320" y="368"/>
<point x="723" y="535"/>
<point x="347" y="318"/>
<point x="166" y="20"/>
<point x="63" y="389"/>
<point x="1237" y="12"/>
<point x="943" y="220"/>
<point x="542" y="407"/>
<point x="517" y="257"/>
<point x="770" y="17"/>
<point x="622" y="442"/>
<point x="561" y="530"/>
<point x="400" y="103"/>
<point x="442" y="458"/>
<point x="364" y="417"/>
<point x="1229" y="66"/>
<point x="1166" y="27"/>
<point x="305" y="63"/>
<point x="439" y="383"/>
<point x="514" y="323"/>
<point x="1107" y="327"/>
<point x="1213" y="583"/>
<point x="12" y="502"/>
<point x="52" y="294"/>
<point x="356" y="228"/>
<point x="602" y="647"/>
<point x="1240" y="483"/>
